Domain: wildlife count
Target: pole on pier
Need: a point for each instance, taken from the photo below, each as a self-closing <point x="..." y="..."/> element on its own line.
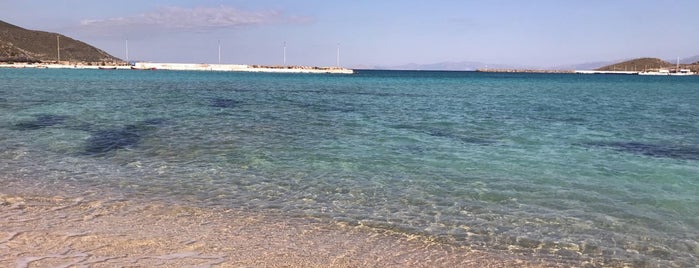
<point x="58" y="47"/>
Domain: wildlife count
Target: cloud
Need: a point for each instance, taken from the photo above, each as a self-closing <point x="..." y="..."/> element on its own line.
<point x="199" y="19"/>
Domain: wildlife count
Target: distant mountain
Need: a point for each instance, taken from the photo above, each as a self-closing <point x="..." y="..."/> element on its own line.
<point x="690" y="60"/>
<point x="440" y="66"/>
<point x="583" y="66"/>
<point x="21" y="45"/>
<point x="637" y="65"/>
<point x="446" y="66"/>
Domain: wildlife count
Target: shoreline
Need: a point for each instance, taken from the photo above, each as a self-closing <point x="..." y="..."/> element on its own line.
<point x="184" y="67"/>
<point x="47" y="230"/>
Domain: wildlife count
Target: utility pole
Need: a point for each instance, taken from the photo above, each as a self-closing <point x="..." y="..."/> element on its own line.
<point x="58" y="47"/>
<point x="127" y="50"/>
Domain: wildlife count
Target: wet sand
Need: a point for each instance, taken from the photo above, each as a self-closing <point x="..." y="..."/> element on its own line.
<point x="56" y="231"/>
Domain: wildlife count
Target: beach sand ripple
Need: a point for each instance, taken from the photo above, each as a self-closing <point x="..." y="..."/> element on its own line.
<point x="38" y="231"/>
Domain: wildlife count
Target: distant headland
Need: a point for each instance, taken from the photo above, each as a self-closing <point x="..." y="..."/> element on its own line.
<point x="22" y="48"/>
<point x="641" y="66"/>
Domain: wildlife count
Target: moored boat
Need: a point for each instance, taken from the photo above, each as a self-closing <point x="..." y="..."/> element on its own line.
<point x="662" y="71"/>
<point x="655" y="72"/>
<point x="677" y="72"/>
<point x="136" y="68"/>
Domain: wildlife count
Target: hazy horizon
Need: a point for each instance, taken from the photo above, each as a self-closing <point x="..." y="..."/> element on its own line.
<point x="368" y="33"/>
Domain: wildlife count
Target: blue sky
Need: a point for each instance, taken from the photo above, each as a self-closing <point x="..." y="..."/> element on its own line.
<point x="370" y="33"/>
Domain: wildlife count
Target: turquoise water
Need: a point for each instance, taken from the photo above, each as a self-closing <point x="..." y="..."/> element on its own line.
<point x="558" y="166"/>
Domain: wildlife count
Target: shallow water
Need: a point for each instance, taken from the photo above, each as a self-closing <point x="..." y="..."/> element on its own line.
<point x="561" y="166"/>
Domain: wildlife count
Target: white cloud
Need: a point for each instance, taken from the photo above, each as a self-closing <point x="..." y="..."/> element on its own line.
<point x="190" y="19"/>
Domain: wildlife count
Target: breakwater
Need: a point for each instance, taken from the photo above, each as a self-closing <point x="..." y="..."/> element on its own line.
<point x="186" y="67"/>
<point x="525" y="71"/>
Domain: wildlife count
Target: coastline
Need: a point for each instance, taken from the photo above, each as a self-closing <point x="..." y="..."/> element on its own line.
<point x="60" y="230"/>
<point x="525" y="71"/>
<point x="184" y="67"/>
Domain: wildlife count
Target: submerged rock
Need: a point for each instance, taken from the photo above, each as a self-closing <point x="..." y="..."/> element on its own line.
<point x="41" y="121"/>
<point x="223" y="103"/>
<point x="154" y="122"/>
<point x="104" y="141"/>
<point x="444" y="133"/>
<point x="666" y="150"/>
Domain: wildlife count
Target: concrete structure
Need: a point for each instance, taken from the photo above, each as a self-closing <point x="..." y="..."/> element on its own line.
<point x="189" y="67"/>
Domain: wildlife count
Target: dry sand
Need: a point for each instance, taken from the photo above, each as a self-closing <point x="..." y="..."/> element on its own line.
<point x="41" y="231"/>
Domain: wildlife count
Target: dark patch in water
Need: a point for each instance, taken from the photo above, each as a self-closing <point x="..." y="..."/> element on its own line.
<point x="86" y="127"/>
<point x="223" y="103"/>
<point x="358" y="93"/>
<point x="654" y="150"/>
<point x="41" y="121"/>
<point x="154" y="122"/>
<point x="104" y="141"/>
<point x="448" y="134"/>
<point x="476" y="140"/>
<point x="456" y="136"/>
<point x="328" y="107"/>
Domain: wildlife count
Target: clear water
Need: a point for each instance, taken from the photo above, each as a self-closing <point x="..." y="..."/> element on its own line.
<point x="559" y="166"/>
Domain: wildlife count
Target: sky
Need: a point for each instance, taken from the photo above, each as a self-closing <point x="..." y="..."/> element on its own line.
<point x="537" y="33"/>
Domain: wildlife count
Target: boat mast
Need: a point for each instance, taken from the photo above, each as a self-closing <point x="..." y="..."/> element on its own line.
<point x="284" y="53"/>
<point x="338" y="54"/>
<point x="219" y="51"/>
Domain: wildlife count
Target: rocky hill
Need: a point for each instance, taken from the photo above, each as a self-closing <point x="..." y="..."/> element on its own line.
<point x="21" y="45"/>
<point x="637" y="65"/>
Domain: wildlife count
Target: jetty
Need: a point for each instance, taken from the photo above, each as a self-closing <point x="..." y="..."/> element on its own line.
<point x="183" y="67"/>
<point x="525" y="71"/>
<point x="604" y="72"/>
<point x="240" y="68"/>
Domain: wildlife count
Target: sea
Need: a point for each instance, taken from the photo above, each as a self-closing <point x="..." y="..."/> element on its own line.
<point x="555" y="166"/>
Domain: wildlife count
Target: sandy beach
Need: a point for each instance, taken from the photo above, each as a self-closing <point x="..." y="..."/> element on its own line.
<point x="59" y="231"/>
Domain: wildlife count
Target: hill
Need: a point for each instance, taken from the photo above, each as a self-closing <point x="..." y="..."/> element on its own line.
<point x="637" y="65"/>
<point x="21" y="45"/>
<point x="691" y="60"/>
